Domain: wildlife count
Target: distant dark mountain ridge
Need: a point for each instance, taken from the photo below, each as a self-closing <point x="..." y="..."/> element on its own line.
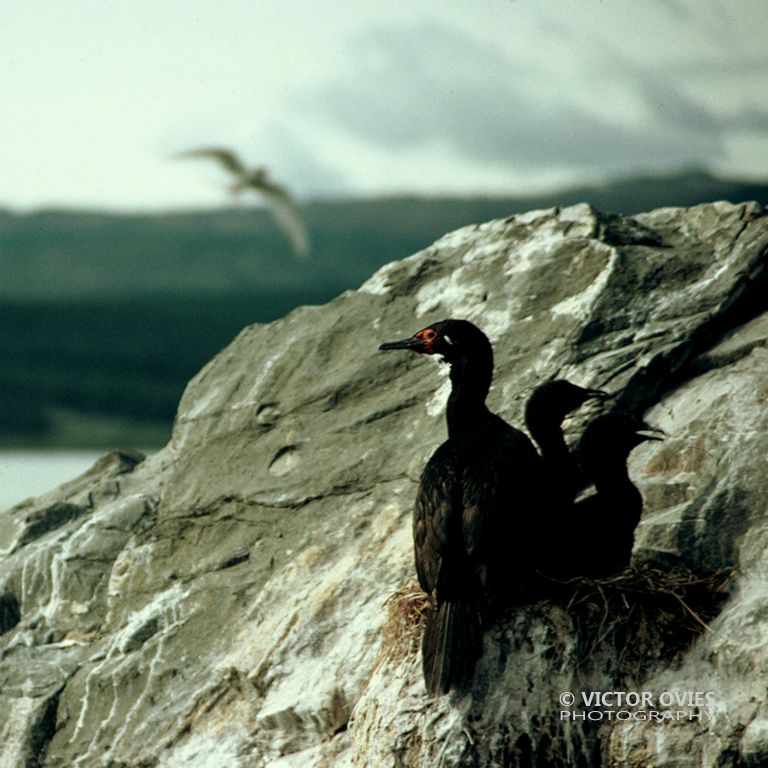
<point x="109" y="315"/>
<point x="78" y="254"/>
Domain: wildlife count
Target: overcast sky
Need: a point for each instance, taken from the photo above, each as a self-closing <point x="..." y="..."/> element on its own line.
<point x="345" y="97"/>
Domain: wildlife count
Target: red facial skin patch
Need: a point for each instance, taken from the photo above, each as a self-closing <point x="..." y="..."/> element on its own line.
<point x="427" y="336"/>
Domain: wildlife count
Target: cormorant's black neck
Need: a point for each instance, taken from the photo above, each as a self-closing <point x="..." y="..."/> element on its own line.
<point x="471" y="380"/>
<point x="561" y="465"/>
<point x="611" y="476"/>
<point x="551" y="441"/>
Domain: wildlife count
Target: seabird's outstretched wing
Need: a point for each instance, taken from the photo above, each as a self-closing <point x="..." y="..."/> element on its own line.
<point x="280" y="201"/>
<point x="286" y="213"/>
<point x="225" y="157"/>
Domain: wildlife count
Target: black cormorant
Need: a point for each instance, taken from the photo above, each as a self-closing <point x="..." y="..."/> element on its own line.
<point x="602" y="526"/>
<point x="545" y="411"/>
<point x="476" y="500"/>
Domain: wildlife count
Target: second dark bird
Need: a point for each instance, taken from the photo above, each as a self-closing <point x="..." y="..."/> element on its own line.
<point x="476" y="508"/>
<point x="545" y="412"/>
<point x="600" y="532"/>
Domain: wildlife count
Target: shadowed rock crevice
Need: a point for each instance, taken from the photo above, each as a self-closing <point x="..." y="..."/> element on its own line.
<point x="10" y="612"/>
<point x="227" y="598"/>
<point x="41" y="732"/>
<point x="49" y="519"/>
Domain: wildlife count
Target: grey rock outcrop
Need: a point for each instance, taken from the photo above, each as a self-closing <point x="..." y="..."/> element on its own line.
<point x="224" y="601"/>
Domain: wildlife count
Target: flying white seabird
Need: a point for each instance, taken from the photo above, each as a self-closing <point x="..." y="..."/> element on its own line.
<point x="277" y="197"/>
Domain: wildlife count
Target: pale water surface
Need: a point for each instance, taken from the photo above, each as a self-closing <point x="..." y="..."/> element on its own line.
<point x="30" y="473"/>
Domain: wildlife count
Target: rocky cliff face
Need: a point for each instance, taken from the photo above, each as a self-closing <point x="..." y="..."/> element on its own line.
<point x="228" y="600"/>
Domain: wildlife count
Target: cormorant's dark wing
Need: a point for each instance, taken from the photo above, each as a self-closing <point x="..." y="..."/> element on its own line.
<point x="453" y="638"/>
<point x="225" y="157"/>
<point x="503" y="521"/>
<point x="437" y="520"/>
<point x="482" y="501"/>
<point x="498" y="482"/>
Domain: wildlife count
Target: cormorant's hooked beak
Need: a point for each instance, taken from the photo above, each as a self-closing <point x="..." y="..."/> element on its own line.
<point x="647" y="432"/>
<point x="599" y="394"/>
<point x="415" y="345"/>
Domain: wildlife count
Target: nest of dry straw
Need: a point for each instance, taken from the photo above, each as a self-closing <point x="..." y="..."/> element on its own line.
<point x="645" y="613"/>
<point x="642" y="614"/>
<point x="406" y="609"/>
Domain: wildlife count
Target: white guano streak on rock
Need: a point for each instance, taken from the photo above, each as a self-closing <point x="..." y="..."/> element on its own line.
<point x="379" y="283"/>
<point x="320" y="606"/>
<point x="459" y="295"/>
<point x="455" y="295"/>
<point x="522" y="258"/>
<point x="582" y="214"/>
<point x="463" y="292"/>
<point x="457" y="239"/>
<point x="35" y="574"/>
<point x="14" y="737"/>
<point x="164" y="605"/>
<point x="135" y="710"/>
<point x="78" y="542"/>
<point x="547" y="232"/>
<point x="206" y="402"/>
<point x="496" y="322"/>
<point x="536" y="216"/>
<point x="675" y="298"/>
<point x="11" y="531"/>
<point x="205" y="750"/>
<point x="483" y="247"/>
<point x="123" y="568"/>
<point x="436" y="404"/>
<point x="214" y="399"/>
<point x="311" y="689"/>
<point x="580" y="305"/>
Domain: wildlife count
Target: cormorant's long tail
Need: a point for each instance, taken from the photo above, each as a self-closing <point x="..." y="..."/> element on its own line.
<point x="452" y="643"/>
